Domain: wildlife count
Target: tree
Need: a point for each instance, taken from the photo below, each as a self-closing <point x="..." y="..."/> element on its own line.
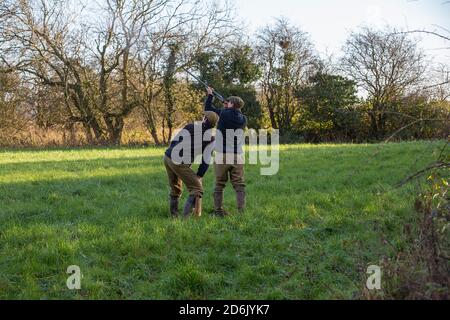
<point x="386" y="64"/>
<point x="287" y="59"/>
<point x="102" y="67"/>
<point x="233" y="72"/>
<point x="194" y="26"/>
<point x="326" y="101"/>
<point x="168" y="84"/>
<point x="38" y="41"/>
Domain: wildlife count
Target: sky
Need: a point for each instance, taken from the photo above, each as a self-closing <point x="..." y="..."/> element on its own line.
<point x="329" y="22"/>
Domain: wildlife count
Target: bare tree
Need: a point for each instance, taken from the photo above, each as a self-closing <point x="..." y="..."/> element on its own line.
<point x="112" y="55"/>
<point x="108" y="66"/>
<point x="194" y="26"/>
<point x="438" y="87"/>
<point x="288" y="59"/>
<point x="38" y="40"/>
<point x="385" y="64"/>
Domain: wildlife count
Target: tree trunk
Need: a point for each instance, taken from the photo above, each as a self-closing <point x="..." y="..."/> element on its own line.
<point x="88" y="132"/>
<point x="115" y="126"/>
<point x="152" y="129"/>
<point x="168" y="84"/>
<point x="373" y="125"/>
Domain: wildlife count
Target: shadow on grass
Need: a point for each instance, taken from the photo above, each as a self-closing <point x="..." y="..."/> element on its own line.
<point x="125" y="187"/>
<point x="80" y="148"/>
<point x="80" y="164"/>
<point x="84" y="199"/>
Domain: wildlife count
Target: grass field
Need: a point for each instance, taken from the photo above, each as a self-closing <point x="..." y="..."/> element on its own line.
<point x="309" y="232"/>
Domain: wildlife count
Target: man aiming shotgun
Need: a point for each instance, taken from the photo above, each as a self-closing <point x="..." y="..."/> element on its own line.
<point x="229" y="163"/>
<point x="188" y="144"/>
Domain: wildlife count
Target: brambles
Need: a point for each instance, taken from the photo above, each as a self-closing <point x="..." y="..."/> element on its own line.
<point x="421" y="270"/>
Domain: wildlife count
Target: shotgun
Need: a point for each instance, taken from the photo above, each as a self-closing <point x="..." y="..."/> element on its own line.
<point x="216" y="94"/>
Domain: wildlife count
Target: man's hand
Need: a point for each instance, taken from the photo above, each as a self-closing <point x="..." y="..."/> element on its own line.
<point x="210" y="91"/>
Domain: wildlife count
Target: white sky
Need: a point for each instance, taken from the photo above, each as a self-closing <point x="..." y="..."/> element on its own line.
<point x="329" y="21"/>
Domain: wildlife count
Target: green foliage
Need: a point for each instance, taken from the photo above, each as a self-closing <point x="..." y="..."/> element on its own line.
<point x="233" y="73"/>
<point x="303" y="236"/>
<point x="438" y="196"/>
<point x="238" y="67"/>
<point x="327" y="101"/>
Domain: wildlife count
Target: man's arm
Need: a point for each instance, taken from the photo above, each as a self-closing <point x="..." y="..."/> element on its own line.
<point x="208" y="103"/>
<point x="206" y="159"/>
<point x="202" y="169"/>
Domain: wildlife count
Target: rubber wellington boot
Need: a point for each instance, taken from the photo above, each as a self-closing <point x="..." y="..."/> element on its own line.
<point x="240" y="199"/>
<point x="189" y="206"/>
<point x="218" y="205"/>
<point x="198" y="207"/>
<point x="174" y="206"/>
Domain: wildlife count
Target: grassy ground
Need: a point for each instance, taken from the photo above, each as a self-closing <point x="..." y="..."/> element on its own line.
<point x="309" y="232"/>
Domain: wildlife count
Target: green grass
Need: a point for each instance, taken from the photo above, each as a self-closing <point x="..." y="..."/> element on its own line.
<point x="309" y="232"/>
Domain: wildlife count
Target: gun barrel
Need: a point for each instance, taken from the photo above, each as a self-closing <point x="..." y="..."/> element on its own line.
<point x="218" y="95"/>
